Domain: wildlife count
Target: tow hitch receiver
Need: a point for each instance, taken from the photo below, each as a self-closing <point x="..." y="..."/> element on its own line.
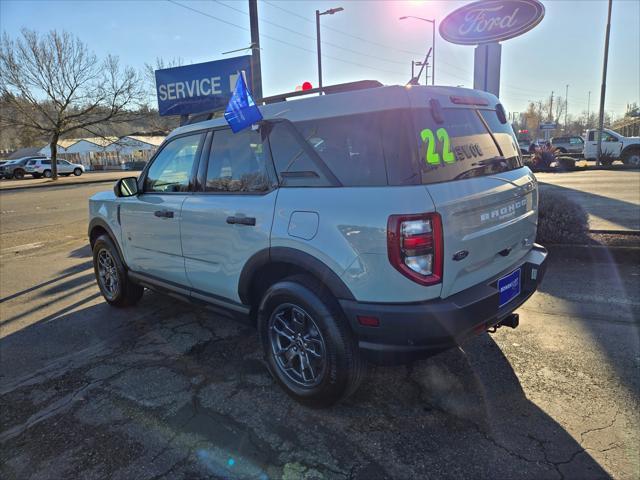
<point x="512" y="321"/>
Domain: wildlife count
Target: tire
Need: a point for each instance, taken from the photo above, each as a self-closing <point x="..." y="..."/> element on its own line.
<point x="632" y="158"/>
<point x="111" y="275"/>
<point x="562" y="150"/>
<point x="606" y="162"/>
<point x="77" y="172"/>
<point x="299" y="318"/>
<point x="47" y="174"/>
<point x="18" y="174"/>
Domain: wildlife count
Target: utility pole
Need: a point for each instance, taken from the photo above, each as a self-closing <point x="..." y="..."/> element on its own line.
<point x="256" y="68"/>
<point x="588" y="109"/>
<point x="603" y="89"/>
<point x="551" y="107"/>
<point x="566" y="108"/>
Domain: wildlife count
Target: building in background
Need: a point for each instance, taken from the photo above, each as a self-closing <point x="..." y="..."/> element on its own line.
<point x="100" y="153"/>
<point x="135" y="148"/>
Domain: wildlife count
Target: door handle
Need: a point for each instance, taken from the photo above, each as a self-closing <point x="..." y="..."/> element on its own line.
<point x="163" y="213"/>
<point x="242" y="220"/>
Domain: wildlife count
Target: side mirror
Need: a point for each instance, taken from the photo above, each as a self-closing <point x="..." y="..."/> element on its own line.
<point x="126" y="187"/>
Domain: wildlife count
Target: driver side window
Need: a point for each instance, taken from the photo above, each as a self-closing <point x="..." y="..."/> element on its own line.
<point x="171" y="169"/>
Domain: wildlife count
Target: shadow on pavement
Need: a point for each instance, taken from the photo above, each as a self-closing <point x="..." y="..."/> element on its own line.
<point x="599" y="292"/>
<point x="167" y="391"/>
<point x="68" y="272"/>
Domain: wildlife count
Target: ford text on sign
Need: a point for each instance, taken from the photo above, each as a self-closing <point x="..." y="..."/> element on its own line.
<point x="200" y="87"/>
<point x="491" y="21"/>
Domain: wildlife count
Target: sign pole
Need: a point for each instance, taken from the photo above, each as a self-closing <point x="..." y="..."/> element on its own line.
<point x="486" y="68"/>
<point x="256" y="71"/>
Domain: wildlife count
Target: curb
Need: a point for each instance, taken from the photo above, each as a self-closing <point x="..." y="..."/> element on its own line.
<point x="632" y="233"/>
<point x="58" y="185"/>
<point x="595" y="253"/>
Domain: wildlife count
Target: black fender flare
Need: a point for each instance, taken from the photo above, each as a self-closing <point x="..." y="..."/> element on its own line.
<point x="99" y="222"/>
<point x="296" y="258"/>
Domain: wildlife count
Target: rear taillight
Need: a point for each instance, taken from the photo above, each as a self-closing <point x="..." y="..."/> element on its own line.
<point x="414" y="245"/>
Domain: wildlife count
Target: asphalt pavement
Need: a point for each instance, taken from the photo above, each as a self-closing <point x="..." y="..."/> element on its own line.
<point x="610" y="197"/>
<point x="166" y="390"/>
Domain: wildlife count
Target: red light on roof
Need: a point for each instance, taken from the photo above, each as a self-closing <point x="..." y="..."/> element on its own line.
<point x="306" y="86"/>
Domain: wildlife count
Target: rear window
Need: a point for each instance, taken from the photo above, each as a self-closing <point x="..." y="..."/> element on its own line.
<point x="461" y="146"/>
<point x="396" y="147"/>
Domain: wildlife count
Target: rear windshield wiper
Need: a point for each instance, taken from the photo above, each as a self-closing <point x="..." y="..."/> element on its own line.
<point x="489" y="161"/>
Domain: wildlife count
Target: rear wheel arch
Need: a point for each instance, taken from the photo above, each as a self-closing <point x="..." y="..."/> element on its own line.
<point x="630" y="150"/>
<point x="268" y="266"/>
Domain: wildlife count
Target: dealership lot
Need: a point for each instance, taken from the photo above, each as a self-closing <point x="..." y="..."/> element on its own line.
<point x="165" y="390"/>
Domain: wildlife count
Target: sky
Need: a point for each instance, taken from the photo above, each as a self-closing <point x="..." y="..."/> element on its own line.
<point x="365" y="41"/>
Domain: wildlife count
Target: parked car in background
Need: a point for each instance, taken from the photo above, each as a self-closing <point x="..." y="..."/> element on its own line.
<point x="42" y="168"/>
<point x="568" y="144"/>
<point x="16" y="168"/>
<point x="614" y="146"/>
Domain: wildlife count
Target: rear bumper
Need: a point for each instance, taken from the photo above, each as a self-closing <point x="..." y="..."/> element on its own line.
<point x="409" y="331"/>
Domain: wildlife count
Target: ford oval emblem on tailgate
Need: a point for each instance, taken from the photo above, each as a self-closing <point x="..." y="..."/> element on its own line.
<point x="461" y="255"/>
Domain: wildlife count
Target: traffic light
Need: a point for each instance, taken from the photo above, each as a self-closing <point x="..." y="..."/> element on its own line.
<point x="306" y="86"/>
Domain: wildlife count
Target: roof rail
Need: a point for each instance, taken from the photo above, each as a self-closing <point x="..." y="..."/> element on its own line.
<point x="340" y="87"/>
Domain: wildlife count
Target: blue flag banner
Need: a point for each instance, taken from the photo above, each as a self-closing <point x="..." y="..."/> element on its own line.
<point x="242" y="112"/>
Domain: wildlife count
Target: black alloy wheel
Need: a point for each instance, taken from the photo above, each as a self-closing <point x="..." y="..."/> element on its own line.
<point x="297" y="345"/>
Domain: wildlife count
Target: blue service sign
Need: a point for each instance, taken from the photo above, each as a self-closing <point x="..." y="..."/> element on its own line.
<point x="200" y="87"/>
<point x="491" y="21"/>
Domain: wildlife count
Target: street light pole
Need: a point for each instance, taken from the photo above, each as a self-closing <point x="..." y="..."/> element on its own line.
<point x="331" y="11"/>
<point x="433" y="43"/>
<point x="318" y="47"/>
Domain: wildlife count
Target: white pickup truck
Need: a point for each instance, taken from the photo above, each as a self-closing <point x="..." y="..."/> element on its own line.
<point x="614" y="145"/>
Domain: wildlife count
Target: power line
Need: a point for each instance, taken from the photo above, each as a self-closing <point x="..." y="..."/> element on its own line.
<point x="376" y="57"/>
<point x="342" y="32"/>
<point x="275" y="39"/>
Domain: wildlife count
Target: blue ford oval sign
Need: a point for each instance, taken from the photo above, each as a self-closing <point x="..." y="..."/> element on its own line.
<point x="491" y="21"/>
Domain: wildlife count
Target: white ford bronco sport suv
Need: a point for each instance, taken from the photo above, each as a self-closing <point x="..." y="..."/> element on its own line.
<point x="378" y="224"/>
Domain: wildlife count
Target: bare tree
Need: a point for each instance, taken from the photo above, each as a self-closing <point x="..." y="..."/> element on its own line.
<point x="52" y="84"/>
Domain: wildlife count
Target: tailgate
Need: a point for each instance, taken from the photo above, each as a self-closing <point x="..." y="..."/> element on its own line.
<point x="493" y="218"/>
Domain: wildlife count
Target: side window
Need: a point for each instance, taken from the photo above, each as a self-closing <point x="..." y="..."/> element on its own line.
<point x="46" y="162"/>
<point x="294" y="165"/>
<point x="592" y="136"/>
<point x="576" y="141"/>
<point x="351" y="146"/>
<point x="171" y="169"/>
<point x="608" y="137"/>
<point x="237" y="163"/>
